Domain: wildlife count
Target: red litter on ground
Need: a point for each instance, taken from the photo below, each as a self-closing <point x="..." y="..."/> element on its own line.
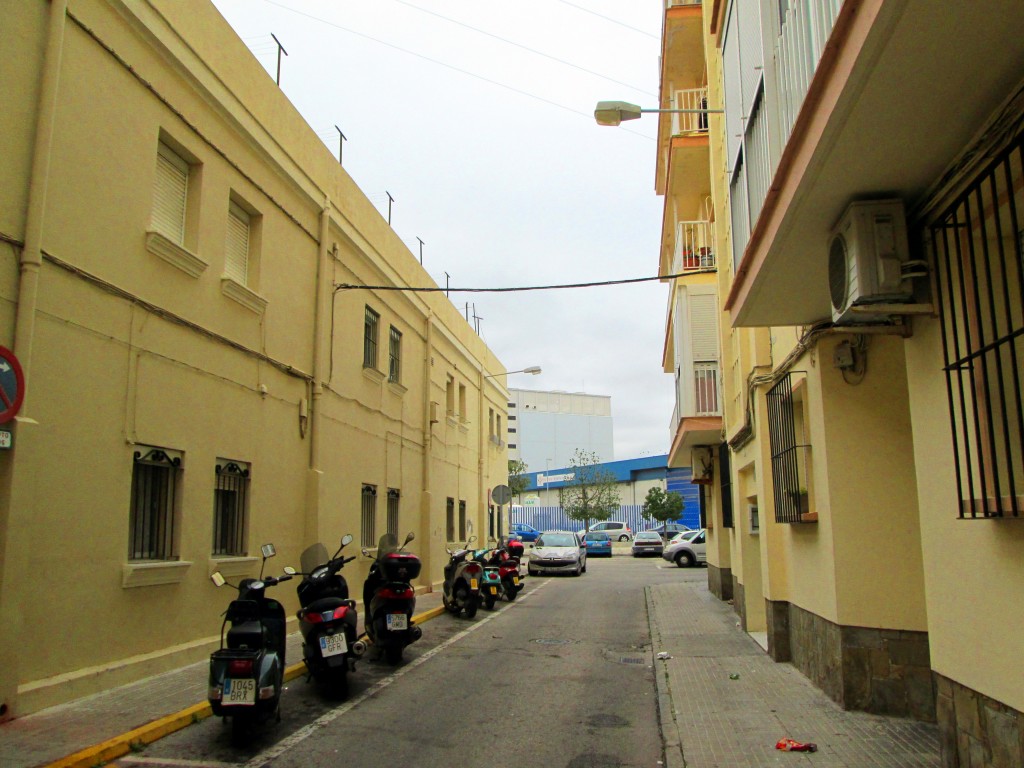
<point x="788" y="745"/>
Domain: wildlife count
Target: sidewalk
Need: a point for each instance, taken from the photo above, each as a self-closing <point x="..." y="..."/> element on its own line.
<point x="724" y="702"/>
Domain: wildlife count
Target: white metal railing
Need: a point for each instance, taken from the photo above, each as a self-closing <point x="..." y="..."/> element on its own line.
<point x="673" y="426"/>
<point x="695" y="249"/>
<point x="674" y="3"/>
<point x="705" y="389"/>
<point x="806" y="27"/>
<point x="690" y="98"/>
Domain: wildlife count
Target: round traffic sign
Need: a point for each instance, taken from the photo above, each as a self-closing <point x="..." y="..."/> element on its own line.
<point x="12" y="385"/>
<point x="501" y="494"/>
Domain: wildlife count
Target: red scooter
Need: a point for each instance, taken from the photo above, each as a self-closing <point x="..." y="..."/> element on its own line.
<point x="389" y="598"/>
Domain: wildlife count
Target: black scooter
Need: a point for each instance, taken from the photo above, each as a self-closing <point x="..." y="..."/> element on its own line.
<point x="389" y="599"/>
<point x="247" y="673"/>
<point x="460" y="592"/>
<point x="327" y="619"/>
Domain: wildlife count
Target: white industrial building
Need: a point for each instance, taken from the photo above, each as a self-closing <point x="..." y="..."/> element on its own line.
<point x="545" y="429"/>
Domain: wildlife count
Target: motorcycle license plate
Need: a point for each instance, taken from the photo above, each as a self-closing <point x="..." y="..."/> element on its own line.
<point x="332" y="645"/>
<point x="239" y="692"/>
<point x="515" y="580"/>
<point x="494" y="590"/>
<point x="397" y="622"/>
<point x="473" y="584"/>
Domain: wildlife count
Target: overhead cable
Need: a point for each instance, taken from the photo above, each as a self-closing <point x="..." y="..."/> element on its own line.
<point x="448" y="289"/>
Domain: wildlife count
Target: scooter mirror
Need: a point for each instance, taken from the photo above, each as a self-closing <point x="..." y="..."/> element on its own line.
<point x="471" y="539"/>
<point x="346" y="539"/>
<point x="268" y="550"/>
<point x="365" y="551"/>
<point x="217" y="579"/>
<point x="289" y="570"/>
<point x="409" y="537"/>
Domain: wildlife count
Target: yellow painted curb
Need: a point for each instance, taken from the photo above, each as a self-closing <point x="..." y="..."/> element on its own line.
<point x="111" y="749"/>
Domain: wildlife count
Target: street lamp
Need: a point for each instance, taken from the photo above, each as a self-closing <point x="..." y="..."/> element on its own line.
<point x="533" y="370"/>
<point x="614" y="112"/>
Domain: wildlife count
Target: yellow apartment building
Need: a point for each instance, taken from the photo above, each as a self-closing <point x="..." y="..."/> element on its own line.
<point x="186" y="274"/>
<point x="864" y="497"/>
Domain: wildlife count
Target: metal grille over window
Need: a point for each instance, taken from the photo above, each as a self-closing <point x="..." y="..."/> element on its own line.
<point x="169" y="195"/>
<point x="230" y="508"/>
<point x="462" y="520"/>
<point x="151" y="524"/>
<point x="725" y="472"/>
<point x="395" y="356"/>
<point x="450" y="519"/>
<point x="978" y="245"/>
<point x="369" y="516"/>
<point x="789" y="460"/>
<point x="236" y="251"/>
<point x="370" y="323"/>
<point x="394" y="496"/>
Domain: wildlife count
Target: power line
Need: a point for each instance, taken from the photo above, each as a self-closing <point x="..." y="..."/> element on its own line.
<point x="448" y="289"/>
<point x="607" y="18"/>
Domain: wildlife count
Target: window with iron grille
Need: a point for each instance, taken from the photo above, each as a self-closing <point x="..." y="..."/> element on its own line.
<point x="979" y="260"/>
<point x="230" y="508"/>
<point x="371" y="323"/>
<point x="725" y="472"/>
<point x="450" y="519"/>
<point x="152" y="533"/>
<point x="492" y="528"/>
<point x="789" y="457"/>
<point x="394" y="496"/>
<point x="462" y="520"/>
<point x="369" y="516"/>
<point x="395" y="356"/>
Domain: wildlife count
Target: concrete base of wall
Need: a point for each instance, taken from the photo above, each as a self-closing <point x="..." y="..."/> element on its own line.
<point x="976" y="730"/>
<point x="739" y="603"/>
<point x="777" y="615"/>
<point x="720" y="582"/>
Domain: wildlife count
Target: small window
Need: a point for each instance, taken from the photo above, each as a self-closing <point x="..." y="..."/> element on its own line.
<point x="170" y="195"/>
<point x="755" y="519"/>
<point x="463" y="413"/>
<point x="512" y="446"/>
<point x="395" y="356"/>
<point x="153" y="531"/>
<point x="450" y="519"/>
<point x="371" y="322"/>
<point x="236" y="249"/>
<point x="394" y="496"/>
<point x="369" y="516"/>
<point x="450" y="396"/>
<point x="230" y="508"/>
<point x="462" y="520"/>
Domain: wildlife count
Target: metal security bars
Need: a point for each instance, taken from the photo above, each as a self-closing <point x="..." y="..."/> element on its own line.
<point x="230" y="508"/>
<point x="151" y="523"/>
<point x="789" y="459"/>
<point x="725" y="481"/>
<point x="369" y="516"/>
<point x="449" y="511"/>
<point x="462" y="520"/>
<point x="371" y="322"/>
<point x="394" y="496"/>
<point x="395" y="356"/>
<point x="978" y="245"/>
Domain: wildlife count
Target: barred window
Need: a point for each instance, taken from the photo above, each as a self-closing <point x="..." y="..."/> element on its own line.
<point x="462" y="520"/>
<point x="394" y="496"/>
<point x="725" y="470"/>
<point x="152" y="533"/>
<point x="978" y="245"/>
<point x="371" y="322"/>
<point x="230" y="508"/>
<point x="789" y="455"/>
<point x="395" y="356"/>
<point x="450" y="519"/>
<point x="369" y="516"/>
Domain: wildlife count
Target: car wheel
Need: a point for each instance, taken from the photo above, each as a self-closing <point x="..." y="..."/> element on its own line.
<point x="584" y="568"/>
<point x="624" y="537"/>
<point x="684" y="559"/>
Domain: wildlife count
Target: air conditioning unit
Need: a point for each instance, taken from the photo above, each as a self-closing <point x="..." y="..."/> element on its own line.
<point x="866" y="253"/>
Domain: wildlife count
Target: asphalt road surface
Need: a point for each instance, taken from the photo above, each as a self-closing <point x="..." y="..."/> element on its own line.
<point x="563" y="676"/>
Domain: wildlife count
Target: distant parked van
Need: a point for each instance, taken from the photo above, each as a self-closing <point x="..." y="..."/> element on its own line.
<point x="613" y="528"/>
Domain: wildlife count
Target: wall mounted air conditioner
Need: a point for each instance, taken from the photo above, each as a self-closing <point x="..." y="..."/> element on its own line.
<point x="867" y="250"/>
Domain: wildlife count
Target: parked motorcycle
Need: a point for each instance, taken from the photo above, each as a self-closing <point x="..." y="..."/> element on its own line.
<point x="460" y="592"/>
<point x="247" y="672"/>
<point x="389" y="599"/>
<point x="509" y="559"/>
<point x="491" y="586"/>
<point x="328" y="618"/>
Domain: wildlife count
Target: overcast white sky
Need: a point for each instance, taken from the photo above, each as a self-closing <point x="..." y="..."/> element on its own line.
<point x="477" y="117"/>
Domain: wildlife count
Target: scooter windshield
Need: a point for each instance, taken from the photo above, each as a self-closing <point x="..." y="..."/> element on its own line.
<point x="313" y="556"/>
<point x="388" y="543"/>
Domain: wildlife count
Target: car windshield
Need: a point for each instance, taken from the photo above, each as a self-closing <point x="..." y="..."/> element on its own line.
<point x="648" y="536"/>
<point x="557" y="540"/>
<point x="689" y="535"/>
<point x="597" y="537"/>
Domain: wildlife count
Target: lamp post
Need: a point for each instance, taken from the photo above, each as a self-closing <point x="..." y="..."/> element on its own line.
<point x="533" y="370"/>
<point x="614" y="112"/>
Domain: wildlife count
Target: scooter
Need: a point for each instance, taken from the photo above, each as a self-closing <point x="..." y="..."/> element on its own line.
<point x="327" y="619"/>
<point x="460" y="592"/>
<point x="247" y="673"/>
<point x="491" y="587"/>
<point x="389" y="599"/>
<point x="508" y="568"/>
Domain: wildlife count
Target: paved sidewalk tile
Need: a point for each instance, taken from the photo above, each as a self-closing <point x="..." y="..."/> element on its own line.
<point x="730" y="703"/>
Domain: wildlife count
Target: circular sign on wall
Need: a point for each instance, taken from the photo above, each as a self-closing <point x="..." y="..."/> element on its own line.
<point x="12" y="385"/>
<point x="501" y="494"/>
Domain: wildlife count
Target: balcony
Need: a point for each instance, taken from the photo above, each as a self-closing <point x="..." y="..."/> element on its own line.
<point x="677" y="3"/>
<point x="696" y="419"/>
<point x="689" y="98"/>
<point x="694" y="247"/>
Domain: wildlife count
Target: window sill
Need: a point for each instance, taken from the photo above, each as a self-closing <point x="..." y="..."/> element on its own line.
<point x="809" y="517"/>
<point x="233" y="567"/>
<point x="397" y="388"/>
<point x="373" y="375"/>
<point x="452" y="421"/>
<point x="243" y="295"/>
<point x="154" y="573"/>
<point x="174" y="254"/>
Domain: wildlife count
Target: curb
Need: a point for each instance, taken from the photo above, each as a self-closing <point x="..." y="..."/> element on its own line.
<point x="111" y="749"/>
<point x="671" y="741"/>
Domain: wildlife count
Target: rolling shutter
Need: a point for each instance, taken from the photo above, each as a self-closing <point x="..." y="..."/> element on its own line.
<point x="236" y="251"/>
<point x="704" y="327"/>
<point x="169" y="195"/>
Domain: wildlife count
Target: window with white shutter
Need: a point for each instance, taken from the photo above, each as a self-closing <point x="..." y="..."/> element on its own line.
<point x="170" y="193"/>
<point x="704" y="327"/>
<point x="236" y="251"/>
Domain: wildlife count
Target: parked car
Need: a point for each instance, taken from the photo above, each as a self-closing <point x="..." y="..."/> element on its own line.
<point x="557" y="552"/>
<point x="614" y="528"/>
<point x="668" y="530"/>
<point x="687" y="549"/>
<point x="598" y="543"/>
<point x="647" y="543"/>
<point x="524" y="532"/>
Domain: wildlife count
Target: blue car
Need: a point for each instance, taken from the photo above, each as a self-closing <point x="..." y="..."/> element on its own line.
<point x="524" y="532"/>
<point x="598" y="543"/>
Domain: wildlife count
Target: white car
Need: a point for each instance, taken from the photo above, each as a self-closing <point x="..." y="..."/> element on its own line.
<point x="557" y="552"/>
<point x="617" y="530"/>
<point x="687" y="549"/>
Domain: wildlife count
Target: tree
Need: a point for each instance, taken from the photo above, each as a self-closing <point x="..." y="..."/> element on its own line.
<point x="517" y="480"/>
<point x="592" y="493"/>
<point x="662" y="506"/>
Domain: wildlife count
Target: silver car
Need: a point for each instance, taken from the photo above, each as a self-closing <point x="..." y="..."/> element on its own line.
<point x="687" y="549"/>
<point x="557" y="552"/>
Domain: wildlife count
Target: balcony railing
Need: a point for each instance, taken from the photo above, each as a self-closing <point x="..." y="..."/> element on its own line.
<point x="705" y="389"/>
<point x="674" y="3"/>
<point x="694" y="247"/>
<point x="690" y="98"/>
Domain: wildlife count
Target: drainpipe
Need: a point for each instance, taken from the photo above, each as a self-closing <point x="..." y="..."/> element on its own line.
<point x="426" y="520"/>
<point x="481" y="448"/>
<point x="324" y="303"/>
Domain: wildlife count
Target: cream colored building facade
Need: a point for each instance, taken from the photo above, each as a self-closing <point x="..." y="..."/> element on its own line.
<point x="865" y="498"/>
<point x="175" y="246"/>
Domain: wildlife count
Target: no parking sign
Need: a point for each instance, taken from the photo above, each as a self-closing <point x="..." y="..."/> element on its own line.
<point x="12" y="391"/>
